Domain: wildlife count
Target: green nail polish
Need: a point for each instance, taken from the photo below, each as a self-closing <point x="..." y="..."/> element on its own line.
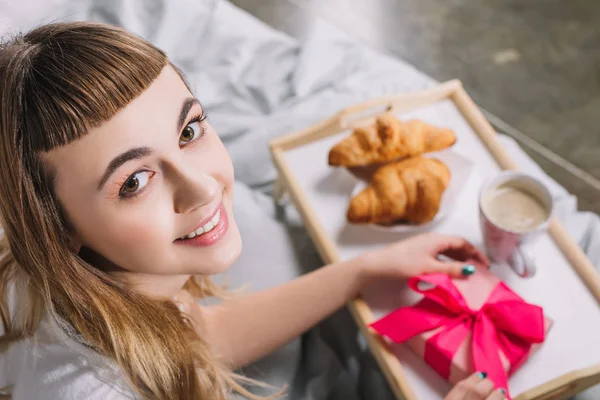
<point x="468" y="269"/>
<point x="482" y="375"/>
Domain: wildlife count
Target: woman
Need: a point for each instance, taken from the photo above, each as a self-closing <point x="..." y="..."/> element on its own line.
<point x="116" y="204"/>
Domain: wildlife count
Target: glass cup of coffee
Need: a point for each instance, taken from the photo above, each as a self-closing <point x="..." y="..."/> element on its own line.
<point x="515" y="210"/>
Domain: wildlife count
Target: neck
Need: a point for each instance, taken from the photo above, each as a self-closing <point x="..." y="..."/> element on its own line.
<point x="158" y="286"/>
<point x="153" y="285"/>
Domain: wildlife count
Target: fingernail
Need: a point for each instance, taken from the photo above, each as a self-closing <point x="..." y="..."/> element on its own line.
<point x="468" y="269"/>
<point x="503" y="391"/>
<point x="482" y="375"/>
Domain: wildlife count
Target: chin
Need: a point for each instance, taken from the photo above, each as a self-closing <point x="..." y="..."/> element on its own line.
<point x="220" y="258"/>
<point x="227" y="256"/>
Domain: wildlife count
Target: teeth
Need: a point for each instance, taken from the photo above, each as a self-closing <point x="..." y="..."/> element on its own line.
<point x="206" y="228"/>
<point x="215" y="219"/>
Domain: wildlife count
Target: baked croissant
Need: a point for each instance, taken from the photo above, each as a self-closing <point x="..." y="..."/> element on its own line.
<point x="410" y="190"/>
<point x="387" y="140"/>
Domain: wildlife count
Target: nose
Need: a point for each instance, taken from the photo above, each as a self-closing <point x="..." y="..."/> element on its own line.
<point x="194" y="190"/>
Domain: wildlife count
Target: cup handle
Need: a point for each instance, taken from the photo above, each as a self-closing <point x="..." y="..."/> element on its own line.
<point x="523" y="261"/>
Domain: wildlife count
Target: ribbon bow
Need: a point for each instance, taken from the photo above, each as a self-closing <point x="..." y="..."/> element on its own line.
<point x="504" y="323"/>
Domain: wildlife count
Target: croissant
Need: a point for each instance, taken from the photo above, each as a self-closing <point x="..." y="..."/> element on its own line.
<point x="387" y="140"/>
<point x="409" y="190"/>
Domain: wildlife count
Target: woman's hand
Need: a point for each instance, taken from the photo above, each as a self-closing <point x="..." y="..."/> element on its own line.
<point x="476" y="387"/>
<point x="419" y="255"/>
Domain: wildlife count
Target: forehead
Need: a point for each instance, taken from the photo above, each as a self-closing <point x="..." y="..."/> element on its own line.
<point x="142" y="123"/>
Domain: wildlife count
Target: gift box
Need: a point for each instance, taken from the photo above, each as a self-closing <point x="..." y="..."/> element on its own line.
<point x="466" y="325"/>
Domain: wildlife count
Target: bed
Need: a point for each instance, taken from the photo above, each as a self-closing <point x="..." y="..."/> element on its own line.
<point x="264" y="85"/>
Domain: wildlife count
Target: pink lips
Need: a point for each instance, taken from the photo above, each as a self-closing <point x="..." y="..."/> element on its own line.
<point x="211" y="237"/>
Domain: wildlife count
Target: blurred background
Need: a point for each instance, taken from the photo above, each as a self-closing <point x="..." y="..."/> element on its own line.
<point x="533" y="66"/>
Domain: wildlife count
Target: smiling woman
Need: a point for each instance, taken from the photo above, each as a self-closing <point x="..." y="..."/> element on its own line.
<point x="116" y="205"/>
<point x="95" y="120"/>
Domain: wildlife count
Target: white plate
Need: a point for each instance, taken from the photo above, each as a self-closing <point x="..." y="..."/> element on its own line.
<point x="460" y="170"/>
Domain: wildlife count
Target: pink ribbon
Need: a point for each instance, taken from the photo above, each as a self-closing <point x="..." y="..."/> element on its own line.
<point x="504" y="323"/>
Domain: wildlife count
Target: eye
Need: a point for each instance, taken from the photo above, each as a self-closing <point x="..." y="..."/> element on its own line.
<point x="190" y="133"/>
<point x="135" y="183"/>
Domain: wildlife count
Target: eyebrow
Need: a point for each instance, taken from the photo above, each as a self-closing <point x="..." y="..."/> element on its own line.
<point x="131" y="154"/>
<point x="185" y="109"/>
<point x="140" y="152"/>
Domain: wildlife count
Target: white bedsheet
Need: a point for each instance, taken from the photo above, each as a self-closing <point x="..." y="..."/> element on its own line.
<point x="256" y="84"/>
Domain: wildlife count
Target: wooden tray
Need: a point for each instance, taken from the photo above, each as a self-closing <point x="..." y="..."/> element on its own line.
<point x="568" y="286"/>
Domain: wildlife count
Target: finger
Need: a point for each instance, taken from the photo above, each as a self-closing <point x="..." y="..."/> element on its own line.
<point x="498" y="394"/>
<point x="462" y="250"/>
<point x="454" y="269"/>
<point x="482" y="389"/>
<point x="476" y="385"/>
<point x="463" y="389"/>
<point x="475" y="378"/>
<point x="458" y="392"/>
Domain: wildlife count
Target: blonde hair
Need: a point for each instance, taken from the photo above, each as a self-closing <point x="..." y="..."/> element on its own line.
<point x="55" y="82"/>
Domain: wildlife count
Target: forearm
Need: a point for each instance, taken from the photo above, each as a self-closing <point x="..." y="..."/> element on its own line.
<point x="245" y="329"/>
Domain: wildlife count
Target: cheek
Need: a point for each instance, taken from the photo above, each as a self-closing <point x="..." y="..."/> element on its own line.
<point x="140" y="226"/>
<point x="136" y="231"/>
<point x="126" y="235"/>
<point x="216" y="161"/>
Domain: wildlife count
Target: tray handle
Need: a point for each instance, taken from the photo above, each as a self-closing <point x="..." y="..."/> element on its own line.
<point x="565" y="386"/>
<point x="360" y="113"/>
<point x="364" y="112"/>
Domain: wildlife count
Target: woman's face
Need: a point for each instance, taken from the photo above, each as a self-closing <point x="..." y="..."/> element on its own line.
<point x="150" y="191"/>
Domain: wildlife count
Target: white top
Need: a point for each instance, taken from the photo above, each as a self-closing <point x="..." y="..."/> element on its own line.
<point x="53" y="366"/>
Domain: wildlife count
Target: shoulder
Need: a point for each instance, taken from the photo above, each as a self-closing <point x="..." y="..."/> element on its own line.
<point x="58" y="368"/>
